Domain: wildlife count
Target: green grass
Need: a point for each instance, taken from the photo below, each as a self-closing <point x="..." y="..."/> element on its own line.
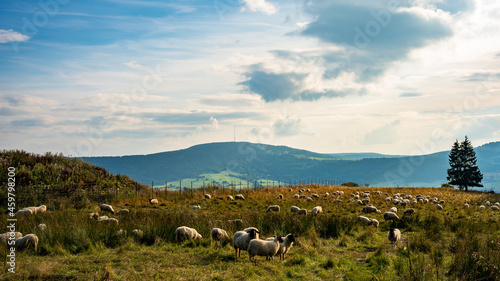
<point x="453" y="244"/>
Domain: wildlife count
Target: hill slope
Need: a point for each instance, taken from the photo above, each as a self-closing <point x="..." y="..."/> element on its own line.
<point x="249" y="162"/>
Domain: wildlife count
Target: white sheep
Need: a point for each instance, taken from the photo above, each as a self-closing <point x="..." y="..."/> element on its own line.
<point x="338" y="200"/>
<point x="42" y="227"/>
<point x="196" y="207"/>
<point x="208" y="196"/>
<point x="375" y="223"/>
<point x="4" y="237"/>
<point x="390" y="216"/>
<point x="394" y="210"/>
<point x="41" y="209"/>
<point x="302" y="197"/>
<point x="394" y="235"/>
<point x="370" y="209"/>
<point x="123" y="212"/>
<point x="365" y="201"/>
<point x="326" y="194"/>
<point x="294" y="209"/>
<point x="280" y="196"/>
<point x="481" y="207"/>
<point x="229" y="197"/>
<point x="94" y="215"/>
<point x="365" y="220"/>
<point x="441" y="201"/>
<point x="219" y="235"/>
<point x="285" y="245"/>
<point x="137" y="234"/>
<point x="296" y="196"/>
<point x="466" y="205"/>
<point x="121" y="232"/>
<point x="239" y="197"/>
<point x="439" y="207"/>
<point x="316" y="210"/>
<point x="183" y="233"/>
<point x="241" y="239"/>
<point x="264" y="248"/>
<point x="107" y="208"/>
<point x="101" y="218"/>
<point x="488" y="203"/>
<point x="309" y="199"/>
<point x="409" y="211"/>
<point x="308" y="190"/>
<point x="388" y="199"/>
<point x="29" y="240"/>
<point x="494" y="208"/>
<point x="153" y="201"/>
<point x="302" y="212"/>
<point x="315" y="195"/>
<point x="275" y="208"/>
<point x="109" y="221"/>
<point x="24" y="212"/>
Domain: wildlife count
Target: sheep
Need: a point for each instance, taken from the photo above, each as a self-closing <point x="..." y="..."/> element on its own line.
<point x="494" y="208"/>
<point x="309" y="199"/>
<point x="481" y="207"/>
<point x="315" y="195"/>
<point x="394" y="235"/>
<point x="301" y="190"/>
<point x="285" y="245"/>
<point x="29" y="240"/>
<point x="196" y="207"/>
<point x="390" y="216"/>
<point x="153" y="201"/>
<point x="241" y="239"/>
<point x="439" y="207"/>
<point x="365" y="201"/>
<point x="308" y="190"/>
<point x="466" y="205"/>
<point x="275" y="208"/>
<point x="388" y="199"/>
<point x="219" y="235"/>
<point x="441" y="201"/>
<point x="137" y="234"/>
<point x="101" y="218"/>
<point x="239" y="197"/>
<point x="183" y="233"/>
<point x="302" y="212"/>
<point x="41" y="209"/>
<point x="302" y="197"/>
<point x="229" y="197"/>
<point x="359" y="202"/>
<point x="107" y="208"/>
<point x="257" y="247"/>
<point x="393" y="210"/>
<point x="123" y="212"/>
<point x="94" y="215"/>
<point x="488" y="203"/>
<point x="109" y="221"/>
<point x="409" y="211"/>
<point x="365" y="220"/>
<point x="338" y="200"/>
<point x="121" y="232"/>
<point x="316" y="210"/>
<point x="4" y="237"/>
<point x="280" y="196"/>
<point x="375" y="223"/>
<point x="42" y="227"/>
<point x="370" y="209"/>
<point x="24" y="212"/>
<point x="326" y="194"/>
<point x="290" y="190"/>
<point x="208" y="196"/>
<point x="296" y="196"/>
<point x="294" y="209"/>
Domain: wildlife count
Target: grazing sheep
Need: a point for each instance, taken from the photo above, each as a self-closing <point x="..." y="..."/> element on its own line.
<point x="481" y="207"/>
<point x="208" y="196"/>
<point x="388" y="199"/>
<point x="137" y="234"/>
<point x="94" y="215"/>
<point x="338" y="200"/>
<point x="359" y="202"/>
<point x="285" y="245"/>
<point x="302" y="212"/>
<point x="264" y="248"/>
<point x="241" y="239"/>
<point x="441" y="202"/>
<point x="394" y="235"/>
<point x="24" y="212"/>
<point x="466" y="205"/>
<point x="439" y="207"/>
<point x="229" y="197"/>
<point x="107" y="208"/>
<point x="375" y="223"/>
<point x="196" y="207"/>
<point x="309" y="199"/>
<point x="497" y="204"/>
<point x="315" y="195"/>
<point x="316" y="210"/>
<point x="29" y="240"/>
<point x="390" y="216"/>
<point x="370" y="209"/>
<point x="365" y="220"/>
<point x="326" y="194"/>
<point x="494" y="208"/>
<point x="109" y="221"/>
<point x="239" y="197"/>
<point x="409" y="211"/>
<point x="394" y="210"/>
<point x="123" y="212"/>
<point x="42" y="227"/>
<point x="41" y="209"/>
<point x="308" y="190"/>
<point x="183" y="233"/>
<point x="4" y="237"/>
<point x="488" y="203"/>
<point x="356" y="197"/>
<point x="219" y="235"/>
<point x="153" y="201"/>
<point x="121" y="232"/>
<point x="275" y="208"/>
<point x="302" y="197"/>
<point x="280" y="196"/>
<point x="365" y="201"/>
<point x="102" y="218"/>
<point x="238" y="223"/>
<point x="296" y="196"/>
<point x="294" y="209"/>
<point x="301" y="190"/>
<point x="290" y="190"/>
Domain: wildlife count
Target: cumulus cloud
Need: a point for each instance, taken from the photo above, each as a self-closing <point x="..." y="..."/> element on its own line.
<point x="263" y="6"/>
<point x="214" y="122"/>
<point x="10" y="35"/>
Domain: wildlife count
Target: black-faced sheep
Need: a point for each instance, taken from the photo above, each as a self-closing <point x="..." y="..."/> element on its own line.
<point x="239" y="197"/>
<point x="285" y="245"/>
<point x="257" y="247"/>
<point x="29" y="240"/>
<point x="394" y="235"/>
<point x="242" y="238"/>
<point x="274" y="208"/>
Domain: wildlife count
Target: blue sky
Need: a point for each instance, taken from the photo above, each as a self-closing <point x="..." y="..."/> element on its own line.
<point x="128" y="77"/>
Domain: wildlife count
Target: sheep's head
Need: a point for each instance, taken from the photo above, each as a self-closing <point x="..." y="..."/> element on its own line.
<point x="253" y="233"/>
<point x="291" y="237"/>
<point x="280" y="240"/>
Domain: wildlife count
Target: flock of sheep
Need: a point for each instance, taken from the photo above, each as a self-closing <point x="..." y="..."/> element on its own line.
<point x="248" y="239"/>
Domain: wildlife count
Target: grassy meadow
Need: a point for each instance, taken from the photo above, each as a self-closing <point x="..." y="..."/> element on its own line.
<point x="451" y="244"/>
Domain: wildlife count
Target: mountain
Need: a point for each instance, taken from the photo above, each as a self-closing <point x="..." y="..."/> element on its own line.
<point x="250" y="162"/>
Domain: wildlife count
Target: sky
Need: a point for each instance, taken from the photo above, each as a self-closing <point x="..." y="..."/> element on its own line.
<point x="125" y="77"/>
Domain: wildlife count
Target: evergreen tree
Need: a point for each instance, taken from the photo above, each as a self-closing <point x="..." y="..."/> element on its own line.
<point x="463" y="170"/>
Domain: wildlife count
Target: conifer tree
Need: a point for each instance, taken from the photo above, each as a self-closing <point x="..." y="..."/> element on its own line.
<point x="463" y="170"/>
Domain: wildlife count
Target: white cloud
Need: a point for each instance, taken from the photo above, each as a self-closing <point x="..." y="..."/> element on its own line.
<point x="10" y="35"/>
<point x="214" y="123"/>
<point x="261" y="6"/>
